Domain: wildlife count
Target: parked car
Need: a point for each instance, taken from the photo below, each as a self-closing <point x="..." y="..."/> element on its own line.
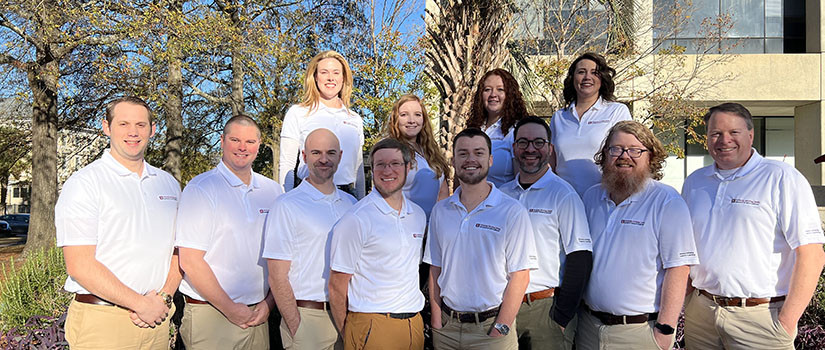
<point x="19" y="222"/>
<point x="5" y="228"/>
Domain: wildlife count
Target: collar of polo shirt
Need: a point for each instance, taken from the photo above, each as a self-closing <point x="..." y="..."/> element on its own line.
<point x="633" y="197"/>
<point x="746" y="169"/>
<point x="121" y="170"/>
<point x="233" y="179"/>
<point x="492" y="199"/>
<point x="385" y="207"/>
<point x="314" y="193"/>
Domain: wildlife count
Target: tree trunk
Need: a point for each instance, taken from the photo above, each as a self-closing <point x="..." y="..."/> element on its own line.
<point x="43" y="83"/>
<point x="173" y="109"/>
<point x="236" y="94"/>
<point x="4" y="191"/>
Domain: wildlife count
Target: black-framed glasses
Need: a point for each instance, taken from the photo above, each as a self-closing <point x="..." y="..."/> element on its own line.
<point x="393" y="166"/>
<point x="522" y="143"/>
<point x="617" y="151"/>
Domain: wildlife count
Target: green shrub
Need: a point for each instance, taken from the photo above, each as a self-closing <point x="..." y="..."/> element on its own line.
<point x="33" y="289"/>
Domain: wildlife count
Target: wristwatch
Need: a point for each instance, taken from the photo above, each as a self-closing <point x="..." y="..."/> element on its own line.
<point x="166" y="298"/>
<point x="664" y="328"/>
<point x="502" y="328"/>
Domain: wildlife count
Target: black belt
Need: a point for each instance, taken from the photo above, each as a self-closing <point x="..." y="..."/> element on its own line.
<point x="402" y="316"/>
<point x="610" y="319"/>
<point x="468" y="317"/>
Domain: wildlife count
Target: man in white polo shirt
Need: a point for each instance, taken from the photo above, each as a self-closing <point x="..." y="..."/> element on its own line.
<point x="480" y="248"/>
<point x="642" y="247"/>
<point x="374" y="256"/>
<point x="758" y="234"/>
<point x="115" y="220"/>
<point x="220" y="236"/>
<point x="297" y="249"/>
<point x="562" y="242"/>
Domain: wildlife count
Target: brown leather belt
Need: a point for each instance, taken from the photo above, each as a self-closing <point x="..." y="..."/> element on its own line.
<point x="468" y="317"/>
<point x="309" y="304"/>
<point x="91" y="299"/>
<point x="610" y="319"/>
<point x="542" y="294"/>
<point x="194" y="301"/>
<point x="733" y="301"/>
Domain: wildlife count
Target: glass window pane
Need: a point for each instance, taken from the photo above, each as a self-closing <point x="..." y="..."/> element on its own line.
<point x="774" y="46"/>
<point x="748" y="17"/>
<point x="745" y="45"/>
<point x="773" y="18"/>
<point x="779" y="138"/>
<point x="701" y="9"/>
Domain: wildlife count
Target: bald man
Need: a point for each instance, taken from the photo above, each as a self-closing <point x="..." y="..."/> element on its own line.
<point x="296" y="247"/>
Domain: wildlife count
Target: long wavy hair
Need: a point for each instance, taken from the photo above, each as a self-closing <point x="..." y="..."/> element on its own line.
<point x="311" y="93"/>
<point x="604" y="72"/>
<point x="646" y="137"/>
<point x="425" y="138"/>
<point x="513" y="109"/>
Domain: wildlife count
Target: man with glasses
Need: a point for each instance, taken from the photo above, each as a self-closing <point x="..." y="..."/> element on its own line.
<point x="562" y="241"/>
<point x="481" y="249"/>
<point x="758" y="233"/>
<point x="642" y="247"/>
<point x="374" y="257"/>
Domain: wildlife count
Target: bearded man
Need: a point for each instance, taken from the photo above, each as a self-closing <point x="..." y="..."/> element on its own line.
<point x="642" y="247"/>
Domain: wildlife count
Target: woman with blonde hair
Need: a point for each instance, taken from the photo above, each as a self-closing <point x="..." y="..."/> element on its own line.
<point x="427" y="180"/>
<point x="327" y="92"/>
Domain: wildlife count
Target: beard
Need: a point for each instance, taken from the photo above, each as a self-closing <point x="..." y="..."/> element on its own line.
<point x="621" y="185"/>
<point x="532" y="169"/>
<point x="472" y="179"/>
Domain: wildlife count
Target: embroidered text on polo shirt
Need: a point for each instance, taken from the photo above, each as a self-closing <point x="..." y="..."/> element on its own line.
<point x="603" y="121"/>
<point x="263" y="210"/>
<point x="540" y="211"/>
<point x="750" y="202"/>
<point x="632" y="222"/>
<point x="488" y="227"/>
<point x="167" y="198"/>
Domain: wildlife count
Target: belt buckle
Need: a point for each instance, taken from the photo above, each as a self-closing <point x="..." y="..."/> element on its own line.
<point x="727" y="301"/>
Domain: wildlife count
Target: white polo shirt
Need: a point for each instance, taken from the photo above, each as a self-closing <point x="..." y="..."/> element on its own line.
<point x="477" y="250"/>
<point x="224" y="217"/>
<point x="577" y="141"/>
<point x="130" y="218"/>
<point x="422" y="185"/>
<point x="747" y="227"/>
<point x="345" y="124"/>
<point x="381" y="249"/>
<point x="298" y="230"/>
<point x="559" y="224"/>
<point x="633" y="244"/>
<point x="502" y="151"/>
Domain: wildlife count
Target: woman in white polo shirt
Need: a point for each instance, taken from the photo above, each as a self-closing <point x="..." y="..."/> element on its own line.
<point x="426" y="181"/>
<point x="497" y="106"/>
<point x="326" y="101"/>
<point x="579" y="129"/>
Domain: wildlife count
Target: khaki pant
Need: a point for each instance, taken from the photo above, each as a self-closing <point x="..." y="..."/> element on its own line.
<point x="710" y="326"/>
<point x="315" y="332"/>
<point x="537" y="331"/>
<point x="91" y="326"/>
<point x="381" y="332"/>
<point x="456" y="335"/>
<point x="592" y="334"/>
<point x="204" y="327"/>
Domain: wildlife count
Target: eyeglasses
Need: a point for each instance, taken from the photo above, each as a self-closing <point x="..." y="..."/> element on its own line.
<point x="393" y="166"/>
<point x="522" y="143"/>
<point x="617" y="151"/>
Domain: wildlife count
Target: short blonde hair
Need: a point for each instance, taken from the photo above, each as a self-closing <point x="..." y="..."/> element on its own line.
<point x="311" y="93"/>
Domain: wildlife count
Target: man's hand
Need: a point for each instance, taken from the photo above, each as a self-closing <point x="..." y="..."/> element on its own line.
<point x="240" y="315"/>
<point x="494" y="333"/>
<point x="435" y="322"/>
<point x="788" y="325"/>
<point x="152" y="309"/>
<point x="664" y="342"/>
<point x="259" y="314"/>
<point x="137" y="321"/>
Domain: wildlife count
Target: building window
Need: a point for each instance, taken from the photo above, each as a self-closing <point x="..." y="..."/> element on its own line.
<point x="16" y="192"/>
<point x="759" y="26"/>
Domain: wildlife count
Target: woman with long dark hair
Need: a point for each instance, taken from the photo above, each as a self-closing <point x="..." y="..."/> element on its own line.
<point x="579" y="129"/>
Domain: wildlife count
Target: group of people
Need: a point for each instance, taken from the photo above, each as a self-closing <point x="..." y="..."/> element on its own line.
<point x="557" y="234"/>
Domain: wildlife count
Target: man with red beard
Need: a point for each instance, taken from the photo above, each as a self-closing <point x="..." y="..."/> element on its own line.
<point x="374" y="256"/>
<point x="481" y="249"/>
<point x="642" y="247"/>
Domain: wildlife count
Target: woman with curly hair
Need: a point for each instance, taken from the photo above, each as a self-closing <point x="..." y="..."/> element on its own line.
<point x="426" y="181"/>
<point x="497" y="106"/>
<point x="578" y="129"/>
<point x="327" y="92"/>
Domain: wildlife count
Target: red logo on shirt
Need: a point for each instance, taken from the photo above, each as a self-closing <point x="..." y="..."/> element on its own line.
<point x="167" y="198"/>
<point x="418" y="235"/>
<point x="263" y="211"/>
